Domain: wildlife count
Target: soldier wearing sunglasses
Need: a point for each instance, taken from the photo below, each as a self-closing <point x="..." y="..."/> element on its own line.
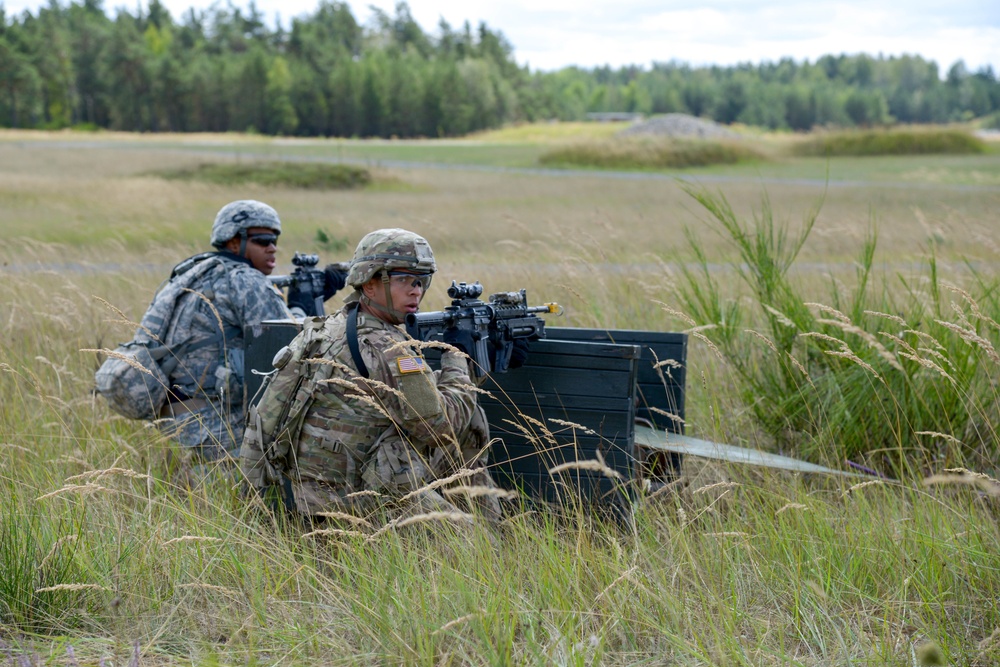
<point x="201" y="313"/>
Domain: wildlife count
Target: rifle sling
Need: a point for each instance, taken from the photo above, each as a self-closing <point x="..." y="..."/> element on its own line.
<point x="352" y="340"/>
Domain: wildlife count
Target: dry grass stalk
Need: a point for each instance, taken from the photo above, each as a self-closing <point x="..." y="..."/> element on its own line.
<point x="727" y="534"/>
<point x="473" y="492"/>
<point x="451" y="624"/>
<point x="927" y="337"/>
<point x="572" y="425"/>
<point x="780" y="316"/>
<point x="850" y="356"/>
<point x="862" y="485"/>
<point x="798" y="365"/>
<point x="703" y="338"/>
<point x="438" y="483"/>
<point x="949" y="438"/>
<point x="209" y="587"/>
<point x="684" y="317"/>
<point x="822" y="336"/>
<point x="362" y="494"/>
<point x="191" y="538"/>
<point x="893" y="318"/>
<point x="546" y="433"/>
<point x="979" y="475"/>
<point x="121" y="472"/>
<point x="791" y="506"/>
<point x="928" y="364"/>
<point x="717" y="485"/>
<point x="987" y="486"/>
<point x="122" y="357"/>
<point x="829" y="310"/>
<point x="669" y="415"/>
<point x="349" y="385"/>
<point x="594" y="465"/>
<point x="671" y="363"/>
<point x="70" y="587"/>
<point x="627" y="574"/>
<point x="666" y="488"/>
<point x="11" y="445"/>
<point x="973" y="306"/>
<point x="936" y="355"/>
<point x="211" y="305"/>
<point x="84" y="489"/>
<point x="344" y="516"/>
<point x="320" y="361"/>
<point x="55" y="547"/>
<point x="767" y="341"/>
<point x="455" y="517"/>
<point x="371" y="403"/>
<point x="523" y="429"/>
<point x="847" y="327"/>
<point x="333" y="532"/>
<point x="972" y="338"/>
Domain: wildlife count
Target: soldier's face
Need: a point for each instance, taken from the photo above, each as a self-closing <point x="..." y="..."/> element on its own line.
<point x="262" y="248"/>
<point x="406" y="292"/>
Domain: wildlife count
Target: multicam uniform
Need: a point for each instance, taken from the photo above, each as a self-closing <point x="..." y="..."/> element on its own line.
<point x="209" y="379"/>
<point x="336" y="429"/>
<point x="392" y="433"/>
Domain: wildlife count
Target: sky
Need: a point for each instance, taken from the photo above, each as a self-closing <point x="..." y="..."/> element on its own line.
<point x="550" y="34"/>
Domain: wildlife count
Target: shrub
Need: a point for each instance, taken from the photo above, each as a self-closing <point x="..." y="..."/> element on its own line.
<point x="650" y="154"/>
<point x="305" y="175"/>
<point x="896" y="141"/>
<point x="901" y="380"/>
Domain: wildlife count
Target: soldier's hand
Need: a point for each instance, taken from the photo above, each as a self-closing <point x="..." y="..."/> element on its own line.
<point x="335" y="277"/>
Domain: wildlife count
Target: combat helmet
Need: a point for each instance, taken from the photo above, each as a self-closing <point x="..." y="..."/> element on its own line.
<point x="235" y="218"/>
<point x="386" y="250"/>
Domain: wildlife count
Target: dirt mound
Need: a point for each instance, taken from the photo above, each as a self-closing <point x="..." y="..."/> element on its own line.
<point x="680" y="126"/>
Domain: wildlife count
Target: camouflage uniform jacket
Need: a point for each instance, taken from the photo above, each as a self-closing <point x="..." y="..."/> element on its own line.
<point x="228" y="297"/>
<point x="348" y="415"/>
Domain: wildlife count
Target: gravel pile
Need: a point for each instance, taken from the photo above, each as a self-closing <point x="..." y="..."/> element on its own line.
<point x="678" y="125"/>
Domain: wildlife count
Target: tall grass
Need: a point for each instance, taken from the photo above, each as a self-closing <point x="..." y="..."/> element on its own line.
<point x="650" y="154"/>
<point x="305" y="175"/>
<point x="102" y="558"/>
<point x="892" y="141"/>
<point x="896" y="377"/>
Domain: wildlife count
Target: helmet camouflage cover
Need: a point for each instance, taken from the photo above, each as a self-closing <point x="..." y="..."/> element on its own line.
<point x="390" y="249"/>
<point x="238" y="216"/>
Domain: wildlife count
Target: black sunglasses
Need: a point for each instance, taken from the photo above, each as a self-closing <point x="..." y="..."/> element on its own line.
<point x="263" y="240"/>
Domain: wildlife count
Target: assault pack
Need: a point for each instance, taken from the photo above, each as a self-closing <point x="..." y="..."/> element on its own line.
<point x="274" y="423"/>
<point x="134" y="379"/>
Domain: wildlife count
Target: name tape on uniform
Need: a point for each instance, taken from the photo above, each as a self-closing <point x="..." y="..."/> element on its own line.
<point x="411" y="364"/>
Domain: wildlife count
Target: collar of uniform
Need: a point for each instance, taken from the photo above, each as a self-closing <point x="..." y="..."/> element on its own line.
<point x="233" y="257"/>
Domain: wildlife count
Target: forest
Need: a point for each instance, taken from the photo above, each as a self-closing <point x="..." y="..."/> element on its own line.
<point x="328" y="75"/>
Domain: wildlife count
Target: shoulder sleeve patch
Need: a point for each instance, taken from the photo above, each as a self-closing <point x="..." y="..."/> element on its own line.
<point x="411" y="365"/>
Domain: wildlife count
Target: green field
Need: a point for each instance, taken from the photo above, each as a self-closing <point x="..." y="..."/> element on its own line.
<point x="735" y="565"/>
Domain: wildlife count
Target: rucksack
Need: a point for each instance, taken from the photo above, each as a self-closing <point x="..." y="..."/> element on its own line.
<point x="134" y="377"/>
<point x="275" y="421"/>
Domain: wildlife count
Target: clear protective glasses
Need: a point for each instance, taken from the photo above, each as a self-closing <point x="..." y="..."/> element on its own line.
<point x="402" y="279"/>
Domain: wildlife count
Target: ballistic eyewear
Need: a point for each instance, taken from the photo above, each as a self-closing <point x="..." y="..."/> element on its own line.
<point x="263" y="240"/>
<point x="410" y="280"/>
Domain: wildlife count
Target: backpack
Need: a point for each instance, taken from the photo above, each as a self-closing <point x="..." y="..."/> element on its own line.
<point x="134" y="379"/>
<point x="274" y="423"/>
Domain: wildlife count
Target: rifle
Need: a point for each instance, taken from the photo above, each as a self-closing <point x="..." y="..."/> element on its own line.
<point x="475" y="325"/>
<point x="308" y="282"/>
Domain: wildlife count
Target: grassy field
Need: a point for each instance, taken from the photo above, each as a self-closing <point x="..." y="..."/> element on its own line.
<point x="103" y="559"/>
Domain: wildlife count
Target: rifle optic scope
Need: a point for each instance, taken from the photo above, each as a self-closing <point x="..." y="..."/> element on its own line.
<point x="464" y="290"/>
<point x="302" y="259"/>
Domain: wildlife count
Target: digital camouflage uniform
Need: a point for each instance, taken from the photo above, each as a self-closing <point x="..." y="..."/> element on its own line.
<point x="392" y="433"/>
<point x="233" y="292"/>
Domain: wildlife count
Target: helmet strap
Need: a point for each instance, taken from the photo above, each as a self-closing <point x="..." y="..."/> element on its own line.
<point x="243" y="243"/>
<point x="394" y="316"/>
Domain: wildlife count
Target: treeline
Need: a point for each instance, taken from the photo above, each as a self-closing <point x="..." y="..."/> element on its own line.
<point x="224" y="69"/>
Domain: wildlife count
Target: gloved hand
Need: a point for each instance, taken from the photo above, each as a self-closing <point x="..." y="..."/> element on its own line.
<point x="519" y="354"/>
<point x="334" y="280"/>
<point x="297" y="300"/>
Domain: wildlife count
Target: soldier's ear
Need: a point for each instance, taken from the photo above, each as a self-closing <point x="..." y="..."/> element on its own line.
<point x="374" y="283"/>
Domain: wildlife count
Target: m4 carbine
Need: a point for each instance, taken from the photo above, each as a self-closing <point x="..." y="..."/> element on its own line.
<point x="479" y="328"/>
<point x="307" y="284"/>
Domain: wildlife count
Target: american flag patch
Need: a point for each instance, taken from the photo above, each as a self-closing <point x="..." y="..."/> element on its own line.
<point x="411" y="364"/>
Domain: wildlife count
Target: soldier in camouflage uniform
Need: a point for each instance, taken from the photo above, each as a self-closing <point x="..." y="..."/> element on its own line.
<point x="371" y="415"/>
<point x="205" y="410"/>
